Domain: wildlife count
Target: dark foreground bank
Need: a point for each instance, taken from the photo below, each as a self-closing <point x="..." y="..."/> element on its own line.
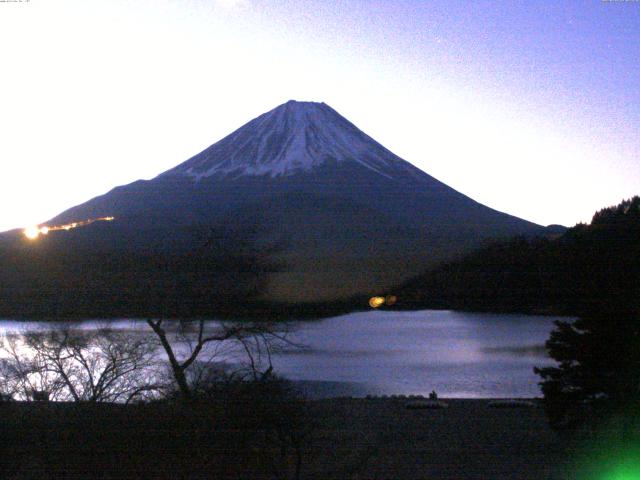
<point x="328" y="439"/>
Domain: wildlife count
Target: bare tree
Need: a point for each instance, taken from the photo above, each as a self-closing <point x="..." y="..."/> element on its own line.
<point x="99" y="366"/>
<point x="23" y="371"/>
<point x="206" y="346"/>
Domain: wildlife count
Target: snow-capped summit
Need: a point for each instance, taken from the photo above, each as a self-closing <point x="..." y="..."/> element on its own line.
<point x="294" y="137"/>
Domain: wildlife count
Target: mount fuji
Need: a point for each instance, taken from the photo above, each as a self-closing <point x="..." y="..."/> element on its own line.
<point x="348" y="216"/>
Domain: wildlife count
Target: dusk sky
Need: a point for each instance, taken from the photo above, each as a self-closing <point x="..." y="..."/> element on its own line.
<point x="529" y="107"/>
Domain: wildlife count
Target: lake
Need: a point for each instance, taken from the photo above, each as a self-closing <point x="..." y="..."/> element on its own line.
<point x="457" y="354"/>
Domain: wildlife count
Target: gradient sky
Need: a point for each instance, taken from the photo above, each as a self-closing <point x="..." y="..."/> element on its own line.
<point x="532" y="108"/>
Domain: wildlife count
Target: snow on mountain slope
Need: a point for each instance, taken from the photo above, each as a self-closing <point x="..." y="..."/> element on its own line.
<point x="294" y="137"/>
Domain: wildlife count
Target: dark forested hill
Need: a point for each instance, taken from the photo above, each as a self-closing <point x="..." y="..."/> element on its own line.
<point x="582" y="269"/>
<point x="77" y="274"/>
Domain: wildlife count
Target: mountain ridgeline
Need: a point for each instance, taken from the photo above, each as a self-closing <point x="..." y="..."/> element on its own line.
<point x="297" y="206"/>
<point x="585" y="270"/>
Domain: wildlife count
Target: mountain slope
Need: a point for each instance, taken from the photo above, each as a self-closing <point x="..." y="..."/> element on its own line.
<point x="346" y="214"/>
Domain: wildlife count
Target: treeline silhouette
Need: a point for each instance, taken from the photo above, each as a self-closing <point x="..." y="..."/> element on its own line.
<point x="582" y="270"/>
<point x="104" y="271"/>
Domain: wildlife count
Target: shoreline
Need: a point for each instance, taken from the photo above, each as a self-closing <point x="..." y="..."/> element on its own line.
<point x="331" y="389"/>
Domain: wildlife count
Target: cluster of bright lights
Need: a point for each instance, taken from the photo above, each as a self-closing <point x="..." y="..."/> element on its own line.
<point x="376" y="302"/>
<point x="34" y="232"/>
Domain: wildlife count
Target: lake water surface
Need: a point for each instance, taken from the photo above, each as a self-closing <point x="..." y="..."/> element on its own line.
<point x="384" y="352"/>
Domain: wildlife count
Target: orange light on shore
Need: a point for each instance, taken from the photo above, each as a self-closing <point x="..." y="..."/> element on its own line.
<point x="34" y="232"/>
<point x="375" y="302"/>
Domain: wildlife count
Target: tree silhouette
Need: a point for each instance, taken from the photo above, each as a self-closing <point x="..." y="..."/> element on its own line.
<point x="195" y="349"/>
<point x="598" y="373"/>
<point x="79" y="366"/>
<point x="598" y="355"/>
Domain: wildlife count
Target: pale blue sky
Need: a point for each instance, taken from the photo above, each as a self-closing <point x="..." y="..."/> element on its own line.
<point x="532" y="108"/>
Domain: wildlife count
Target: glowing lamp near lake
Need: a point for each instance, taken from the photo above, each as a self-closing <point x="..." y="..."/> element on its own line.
<point x="375" y="302"/>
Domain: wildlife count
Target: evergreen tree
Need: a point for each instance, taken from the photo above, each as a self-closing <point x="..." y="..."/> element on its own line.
<point x="598" y="355"/>
<point x="598" y="373"/>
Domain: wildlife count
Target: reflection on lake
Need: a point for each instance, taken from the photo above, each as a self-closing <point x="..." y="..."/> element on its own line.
<point x="384" y="352"/>
<point x="457" y="354"/>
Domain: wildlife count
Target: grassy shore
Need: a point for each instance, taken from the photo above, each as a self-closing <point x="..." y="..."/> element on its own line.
<point x="352" y="439"/>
